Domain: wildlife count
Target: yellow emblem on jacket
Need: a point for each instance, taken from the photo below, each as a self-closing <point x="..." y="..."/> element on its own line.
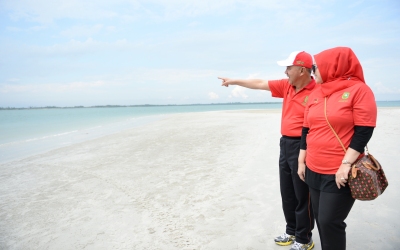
<point x="345" y="95"/>
<point x="305" y="100"/>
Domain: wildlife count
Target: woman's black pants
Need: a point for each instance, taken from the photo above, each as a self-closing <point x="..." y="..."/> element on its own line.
<point x="330" y="211"/>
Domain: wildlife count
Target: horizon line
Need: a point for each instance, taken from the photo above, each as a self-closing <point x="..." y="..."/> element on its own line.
<point x="134" y="105"/>
<point x="146" y="105"/>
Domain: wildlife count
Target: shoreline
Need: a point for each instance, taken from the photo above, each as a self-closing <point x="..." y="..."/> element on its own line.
<point x="8" y="154"/>
<point x="206" y="180"/>
<point x="18" y="150"/>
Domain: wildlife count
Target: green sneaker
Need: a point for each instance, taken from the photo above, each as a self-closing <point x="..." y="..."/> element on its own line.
<point x="299" y="246"/>
<point x="285" y="239"/>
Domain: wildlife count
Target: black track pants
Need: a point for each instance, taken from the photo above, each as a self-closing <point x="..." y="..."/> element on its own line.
<point x="296" y="202"/>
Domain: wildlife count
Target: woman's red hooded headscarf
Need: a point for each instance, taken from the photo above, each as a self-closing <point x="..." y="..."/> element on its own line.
<point x="339" y="68"/>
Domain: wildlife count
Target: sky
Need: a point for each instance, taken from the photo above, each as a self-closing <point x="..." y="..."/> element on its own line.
<point x="133" y="52"/>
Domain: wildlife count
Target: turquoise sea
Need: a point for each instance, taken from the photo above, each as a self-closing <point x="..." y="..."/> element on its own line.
<point x="25" y="132"/>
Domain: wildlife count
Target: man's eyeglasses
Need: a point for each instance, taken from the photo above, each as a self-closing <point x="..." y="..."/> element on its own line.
<point x="314" y="68"/>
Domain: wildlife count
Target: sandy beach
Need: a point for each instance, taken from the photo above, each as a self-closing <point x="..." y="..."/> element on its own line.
<point x="189" y="181"/>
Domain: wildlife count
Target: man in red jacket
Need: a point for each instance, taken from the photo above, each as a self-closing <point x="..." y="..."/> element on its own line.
<point x="294" y="90"/>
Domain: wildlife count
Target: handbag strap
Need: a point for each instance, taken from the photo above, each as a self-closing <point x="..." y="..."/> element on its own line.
<point x="326" y="117"/>
<point x="340" y="141"/>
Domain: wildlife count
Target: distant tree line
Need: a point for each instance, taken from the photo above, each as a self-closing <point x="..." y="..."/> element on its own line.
<point x="141" y="105"/>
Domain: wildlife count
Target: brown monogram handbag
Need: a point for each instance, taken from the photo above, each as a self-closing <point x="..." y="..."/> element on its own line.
<point x="366" y="177"/>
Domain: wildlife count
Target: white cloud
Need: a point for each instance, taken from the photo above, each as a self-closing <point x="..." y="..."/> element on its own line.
<point x="170" y="76"/>
<point x="13" y="29"/>
<point x="382" y="89"/>
<point x="239" y="91"/>
<point x="213" y="96"/>
<point x="356" y="4"/>
<point x="82" y="30"/>
<point x="47" y="11"/>
<point x="71" y="47"/>
<point x="193" y="24"/>
<point x="37" y="28"/>
<point x="255" y="76"/>
<point x="80" y="47"/>
<point x="13" y="80"/>
<point x="110" y="28"/>
<point x="55" y="87"/>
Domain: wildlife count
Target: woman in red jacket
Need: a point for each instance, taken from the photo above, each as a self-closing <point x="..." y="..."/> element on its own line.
<point x="350" y="108"/>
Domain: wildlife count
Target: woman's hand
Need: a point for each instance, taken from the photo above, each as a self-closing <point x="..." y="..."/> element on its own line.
<point x="301" y="171"/>
<point x="343" y="172"/>
<point x="342" y="175"/>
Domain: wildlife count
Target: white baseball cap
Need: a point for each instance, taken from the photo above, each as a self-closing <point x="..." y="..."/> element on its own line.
<point x="298" y="58"/>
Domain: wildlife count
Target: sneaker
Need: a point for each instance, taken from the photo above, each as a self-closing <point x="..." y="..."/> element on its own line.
<point x="285" y="239"/>
<point x="299" y="246"/>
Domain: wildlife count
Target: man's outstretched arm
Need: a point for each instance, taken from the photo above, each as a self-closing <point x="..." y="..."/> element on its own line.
<point x="247" y="83"/>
